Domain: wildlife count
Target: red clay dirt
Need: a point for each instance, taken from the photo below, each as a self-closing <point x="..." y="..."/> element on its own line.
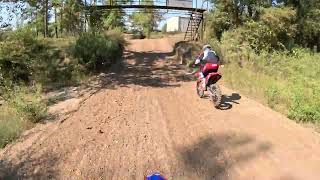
<point x="147" y="118"/>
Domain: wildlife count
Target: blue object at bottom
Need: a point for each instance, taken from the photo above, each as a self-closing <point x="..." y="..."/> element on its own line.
<point x="155" y="176"/>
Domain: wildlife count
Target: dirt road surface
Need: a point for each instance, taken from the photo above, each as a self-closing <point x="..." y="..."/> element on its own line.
<point x="147" y="118"/>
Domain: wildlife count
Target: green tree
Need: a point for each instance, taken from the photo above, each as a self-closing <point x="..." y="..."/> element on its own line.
<point x="145" y="21"/>
<point x="71" y="16"/>
<point x="309" y="23"/>
<point x="95" y="20"/>
<point x="113" y="19"/>
<point x="308" y="13"/>
<point x="228" y="14"/>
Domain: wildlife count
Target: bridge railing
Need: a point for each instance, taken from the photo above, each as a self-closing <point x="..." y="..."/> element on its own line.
<point x="180" y="7"/>
<point x="139" y="2"/>
<point x="197" y="4"/>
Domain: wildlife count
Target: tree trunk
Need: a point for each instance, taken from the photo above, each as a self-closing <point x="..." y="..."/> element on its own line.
<point x="37" y="31"/>
<point x="236" y="15"/>
<point x="318" y="43"/>
<point x="85" y="17"/>
<point x="250" y="12"/>
<point x="61" y="16"/>
<point x="70" y="29"/>
<point x="46" y="18"/>
<point x="55" y="22"/>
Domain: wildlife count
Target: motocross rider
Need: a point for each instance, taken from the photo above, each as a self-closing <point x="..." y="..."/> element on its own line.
<point x="207" y="55"/>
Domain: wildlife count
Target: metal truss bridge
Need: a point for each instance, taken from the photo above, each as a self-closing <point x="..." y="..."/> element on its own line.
<point x="187" y="6"/>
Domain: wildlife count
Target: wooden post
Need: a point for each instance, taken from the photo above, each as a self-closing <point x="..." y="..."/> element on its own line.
<point x="202" y="28"/>
<point x="167" y="3"/>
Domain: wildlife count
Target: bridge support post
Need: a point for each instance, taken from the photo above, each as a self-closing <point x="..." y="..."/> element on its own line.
<point x="202" y="27"/>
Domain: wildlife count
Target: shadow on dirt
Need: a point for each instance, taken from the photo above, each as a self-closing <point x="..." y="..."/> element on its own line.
<point x="31" y="166"/>
<point x="146" y="69"/>
<point x="228" y="100"/>
<point x="213" y="156"/>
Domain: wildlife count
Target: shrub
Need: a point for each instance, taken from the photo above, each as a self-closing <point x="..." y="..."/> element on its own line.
<point x="116" y="35"/>
<point x="217" y="23"/>
<point x="96" y="52"/>
<point x="234" y="48"/>
<point x="23" y="107"/>
<point x="24" y="58"/>
<point x="274" y="31"/>
<point x="27" y="102"/>
<point x="20" y="52"/>
<point x="11" y="126"/>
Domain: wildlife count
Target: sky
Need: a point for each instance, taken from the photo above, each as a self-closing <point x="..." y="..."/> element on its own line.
<point x="5" y="14"/>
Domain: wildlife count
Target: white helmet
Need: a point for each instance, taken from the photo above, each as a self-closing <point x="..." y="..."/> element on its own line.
<point x="207" y="46"/>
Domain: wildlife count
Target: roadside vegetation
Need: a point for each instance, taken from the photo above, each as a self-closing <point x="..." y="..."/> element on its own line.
<point x="39" y="56"/>
<point x="31" y="66"/>
<point x="271" y="52"/>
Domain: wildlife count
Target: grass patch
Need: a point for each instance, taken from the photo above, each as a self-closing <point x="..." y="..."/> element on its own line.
<point x="27" y="103"/>
<point x="11" y="125"/>
<point x="61" y="43"/>
<point x="24" y="106"/>
<point x="289" y="84"/>
<point x="287" y="81"/>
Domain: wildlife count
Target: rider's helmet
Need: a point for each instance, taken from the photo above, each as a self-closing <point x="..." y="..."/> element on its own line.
<point x="207" y="46"/>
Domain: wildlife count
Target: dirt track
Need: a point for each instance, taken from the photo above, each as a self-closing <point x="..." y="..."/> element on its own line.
<point x="148" y="118"/>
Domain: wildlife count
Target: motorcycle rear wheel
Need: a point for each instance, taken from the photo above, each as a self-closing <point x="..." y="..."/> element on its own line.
<point x="215" y="95"/>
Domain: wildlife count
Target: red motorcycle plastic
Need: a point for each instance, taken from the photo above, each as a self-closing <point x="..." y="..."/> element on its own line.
<point x="210" y="72"/>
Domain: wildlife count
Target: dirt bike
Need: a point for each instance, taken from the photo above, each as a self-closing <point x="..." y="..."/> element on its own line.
<point x="210" y="72"/>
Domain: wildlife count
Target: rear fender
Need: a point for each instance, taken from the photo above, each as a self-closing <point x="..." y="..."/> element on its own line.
<point x="213" y="78"/>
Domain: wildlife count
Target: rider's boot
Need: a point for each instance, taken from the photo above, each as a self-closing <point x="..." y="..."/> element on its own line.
<point x="203" y="81"/>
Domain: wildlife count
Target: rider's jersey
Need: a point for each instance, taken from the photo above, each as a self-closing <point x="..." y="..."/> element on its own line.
<point x="208" y="56"/>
